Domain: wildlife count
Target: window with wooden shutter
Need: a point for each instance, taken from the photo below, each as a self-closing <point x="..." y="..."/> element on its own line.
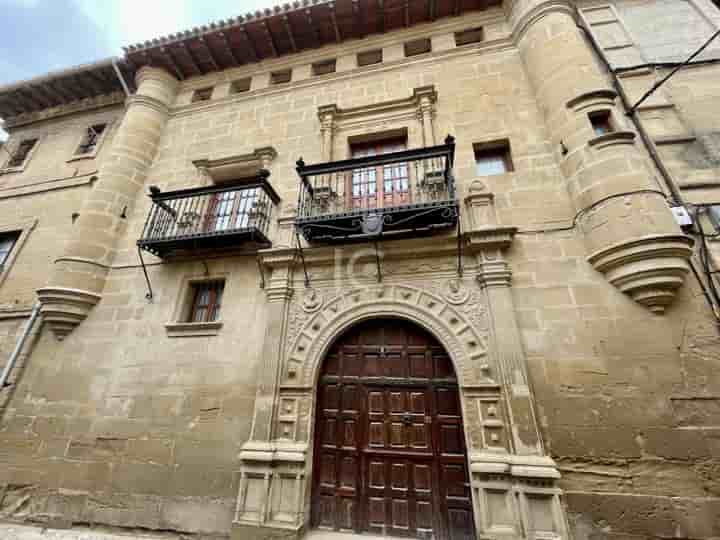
<point x="21" y="153"/>
<point x="90" y="139"/>
<point x="206" y="301"/>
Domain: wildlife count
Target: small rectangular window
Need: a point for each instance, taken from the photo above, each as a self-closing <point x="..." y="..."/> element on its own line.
<point x="471" y="35"/>
<point x="202" y="94"/>
<point x="7" y="243"/>
<point x="206" y="301"/>
<point x="240" y="85"/>
<point x="90" y="139"/>
<point x="323" y="68"/>
<point x="281" y="77"/>
<point x="20" y="155"/>
<point x="369" y="58"/>
<point x="418" y="46"/>
<point x="601" y="122"/>
<point x="493" y="158"/>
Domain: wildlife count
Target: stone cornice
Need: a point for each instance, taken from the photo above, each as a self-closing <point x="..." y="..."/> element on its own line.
<point x="80" y="106"/>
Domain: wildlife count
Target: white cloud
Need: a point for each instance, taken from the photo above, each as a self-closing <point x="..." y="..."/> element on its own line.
<point x="127" y="22"/>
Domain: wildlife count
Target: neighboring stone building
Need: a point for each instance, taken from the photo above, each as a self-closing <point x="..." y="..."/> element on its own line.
<point x="404" y="268"/>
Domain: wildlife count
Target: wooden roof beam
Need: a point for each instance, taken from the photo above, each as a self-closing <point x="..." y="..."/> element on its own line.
<point x="333" y="19"/>
<point x="313" y="29"/>
<point x="358" y="16"/>
<point x="47" y="91"/>
<point x="457" y="8"/>
<point x="167" y="52"/>
<point x="289" y="30"/>
<point x="269" y="36"/>
<point x="249" y="43"/>
<point x="25" y="102"/>
<point x="210" y="53"/>
<point x="69" y="94"/>
<point x="91" y="83"/>
<point x="432" y="9"/>
<point x="38" y="98"/>
<point x="191" y="57"/>
<point x="407" y="13"/>
<point x="228" y="48"/>
<point x="381" y="15"/>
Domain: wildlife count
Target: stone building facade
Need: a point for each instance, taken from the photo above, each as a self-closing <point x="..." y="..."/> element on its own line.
<point x="400" y="268"/>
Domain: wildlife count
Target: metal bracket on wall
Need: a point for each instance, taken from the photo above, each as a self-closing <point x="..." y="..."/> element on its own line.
<point x="149" y="294"/>
<point x="459" y="247"/>
<point x="302" y="258"/>
<point x="377" y="262"/>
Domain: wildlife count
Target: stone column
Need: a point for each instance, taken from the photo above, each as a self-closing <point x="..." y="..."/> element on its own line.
<point x="79" y="275"/>
<point x="629" y="231"/>
<point x="426" y="97"/>
<point x="327" y="115"/>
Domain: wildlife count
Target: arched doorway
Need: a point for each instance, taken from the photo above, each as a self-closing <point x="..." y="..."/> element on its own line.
<point x="390" y="452"/>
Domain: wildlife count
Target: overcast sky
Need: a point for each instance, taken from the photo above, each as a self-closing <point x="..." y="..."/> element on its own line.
<point x="37" y="36"/>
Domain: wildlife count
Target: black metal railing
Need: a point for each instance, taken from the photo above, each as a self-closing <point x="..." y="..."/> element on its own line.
<point x="209" y="217"/>
<point x="411" y="190"/>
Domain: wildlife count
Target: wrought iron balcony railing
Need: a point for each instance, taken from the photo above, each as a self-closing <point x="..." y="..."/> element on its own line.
<point x="213" y="217"/>
<point x="396" y="193"/>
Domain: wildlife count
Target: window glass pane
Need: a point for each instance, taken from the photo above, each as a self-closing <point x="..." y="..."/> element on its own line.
<point x="491" y="165"/>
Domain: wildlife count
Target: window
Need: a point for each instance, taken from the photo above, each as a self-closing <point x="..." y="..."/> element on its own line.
<point x="21" y="154"/>
<point x="323" y="68"/>
<point x="369" y="58"/>
<point x="471" y="35"/>
<point x="240" y="85"/>
<point x="202" y="94"/>
<point x="384" y="185"/>
<point x="601" y="122"/>
<point x="206" y="301"/>
<point x="90" y="140"/>
<point x="419" y="46"/>
<point x="7" y="242"/>
<point x="493" y="158"/>
<point x="281" y="77"/>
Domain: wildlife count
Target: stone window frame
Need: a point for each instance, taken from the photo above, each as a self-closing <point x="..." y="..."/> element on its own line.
<point x="24" y="228"/>
<point x="201" y="94"/>
<point x="240" y="86"/>
<point x="98" y="144"/>
<point x="178" y="326"/>
<point x="20" y="168"/>
<point x="324" y="67"/>
<point x="470" y="36"/>
<point x="370" y="57"/>
<point x="499" y="147"/>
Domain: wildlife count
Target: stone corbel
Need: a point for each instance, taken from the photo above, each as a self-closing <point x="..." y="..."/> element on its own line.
<point x="63" y="309"/>
<point x="485" y="232"/>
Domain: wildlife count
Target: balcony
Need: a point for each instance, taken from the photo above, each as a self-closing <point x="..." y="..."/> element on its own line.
<point x="209" y="218"/>
<point x="399" y="193"/>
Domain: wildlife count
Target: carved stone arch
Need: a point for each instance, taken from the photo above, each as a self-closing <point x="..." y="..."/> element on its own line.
<point x="466" y="345"/>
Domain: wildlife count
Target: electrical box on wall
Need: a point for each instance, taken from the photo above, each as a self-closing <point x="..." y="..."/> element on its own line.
<point x="682" y="216"/>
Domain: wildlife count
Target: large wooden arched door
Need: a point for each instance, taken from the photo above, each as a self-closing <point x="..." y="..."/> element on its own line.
<point x="389" y="445"/>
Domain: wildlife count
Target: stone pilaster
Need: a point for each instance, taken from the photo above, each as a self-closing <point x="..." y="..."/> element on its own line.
<point x="630" y="234"/>
<point x="271" y="469"/>
<point x="327" y="116"/>
<point x="426" y="98"/>
<point x="78" y="278"/>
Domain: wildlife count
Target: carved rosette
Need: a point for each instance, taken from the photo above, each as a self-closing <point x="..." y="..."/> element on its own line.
<point x="648" y="269"/>
<point x="62" y="309"/>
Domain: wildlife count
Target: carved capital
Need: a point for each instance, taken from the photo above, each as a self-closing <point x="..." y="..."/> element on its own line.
<point x="494" y="274"/>
<point x="649" y="269"/>
<point x="63" y="309"/>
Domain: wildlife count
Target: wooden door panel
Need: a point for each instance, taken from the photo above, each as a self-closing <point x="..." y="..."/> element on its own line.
<point x="390" y="451"/>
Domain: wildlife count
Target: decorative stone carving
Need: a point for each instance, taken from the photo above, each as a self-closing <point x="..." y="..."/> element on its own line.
<point x="310" y="334"/>
<point x="455" y="292"/>
<point x="648" y="269"/>
<point x="63" y="309"/>
<point x="312" y="301"/>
